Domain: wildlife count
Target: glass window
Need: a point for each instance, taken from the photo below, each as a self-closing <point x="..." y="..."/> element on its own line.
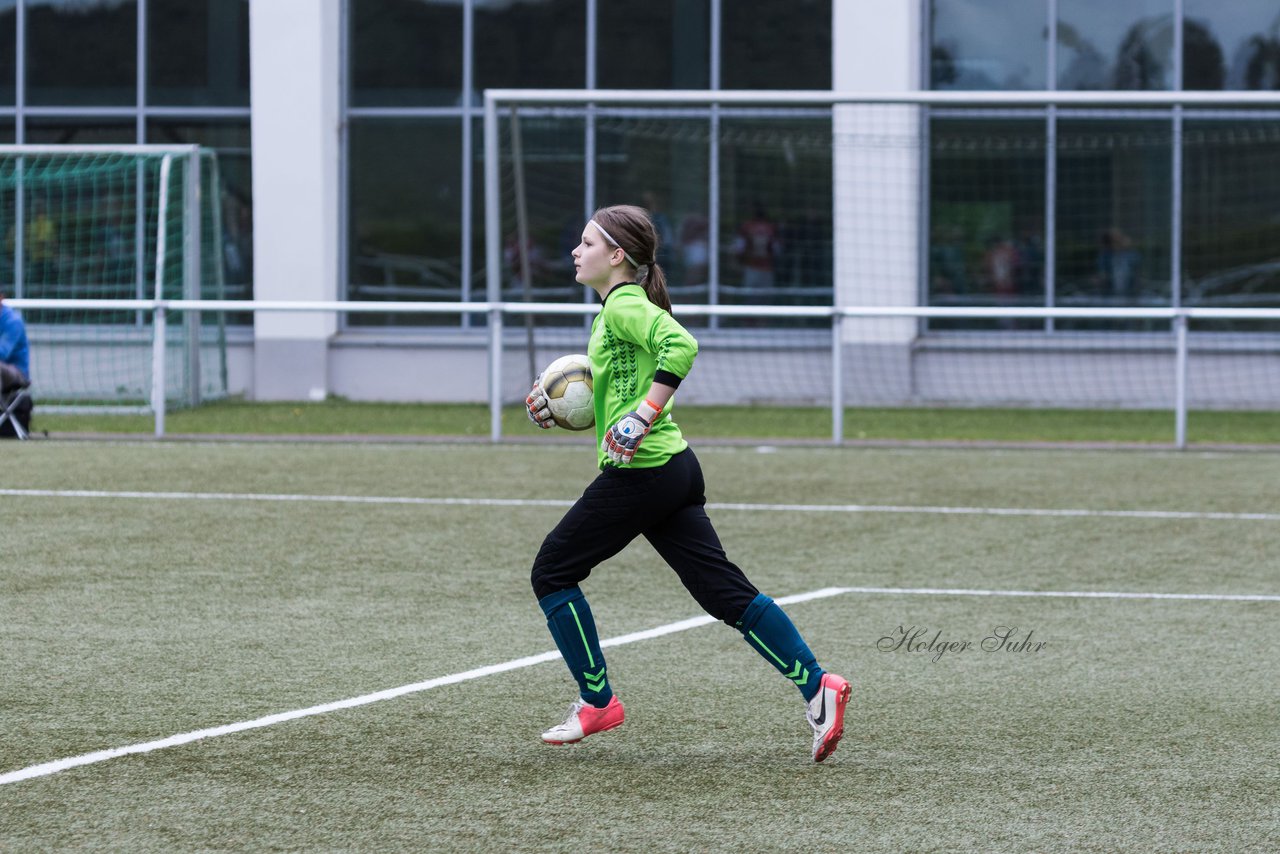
<point x="7" y="277"/>
<point x="1113" y="212"/>
<point x="405" y="52"/>
<point x="662" y="165"/>
<point x="770" y="45"/>
<point x="1115" y="44"/>
<point x="775" y="211"/>
<point x="552" y="168"/>
<point x="988" y="44"/>
<point x="8" y="50"/>
<point x="555" y="210"/>
<point x="532" y="44"/>
<point x="986" y="204"/>
<point x="76" y="264"/>
<point x="405" y="214"/>
<point x="230" y="141"/>
<point x="676" y="35"/>
<point x="1230" y="225"/>
<point x="198" y="52"/>
<point x="82" y="52"/>
<point x="81" y="131"/>
<point x="1232" y="45"/>
<point x="479" y="275"/>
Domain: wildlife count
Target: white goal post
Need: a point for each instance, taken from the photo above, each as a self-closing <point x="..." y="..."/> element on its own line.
<point x="1077" y="333"/>
<point x="91" y="230"/>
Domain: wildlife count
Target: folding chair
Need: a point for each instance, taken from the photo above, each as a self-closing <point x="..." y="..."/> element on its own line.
<point x="14" y="392"/>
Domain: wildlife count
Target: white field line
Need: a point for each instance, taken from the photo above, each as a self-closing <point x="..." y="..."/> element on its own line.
<point x="1062" y="594"/>
<point x="1001" y="511"/>
<point x="58" y="765"/>
<point x="560" y="502"/>
<point x="47" y="768"/>
<point x="286" y="498"/>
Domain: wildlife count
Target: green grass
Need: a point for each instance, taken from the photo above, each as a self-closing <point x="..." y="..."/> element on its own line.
<point x="339" y="417"/>
<point x="1144" y="725"/>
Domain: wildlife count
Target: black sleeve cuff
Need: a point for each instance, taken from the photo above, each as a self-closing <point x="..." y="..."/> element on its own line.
<point x="667" y="378"/>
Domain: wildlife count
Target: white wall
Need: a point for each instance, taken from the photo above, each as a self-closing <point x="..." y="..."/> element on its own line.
<point x="295" y="87"/>
<point x="877" y="48"/>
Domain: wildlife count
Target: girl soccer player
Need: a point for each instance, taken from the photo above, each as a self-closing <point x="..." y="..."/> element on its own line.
<point x="650" y="483"/>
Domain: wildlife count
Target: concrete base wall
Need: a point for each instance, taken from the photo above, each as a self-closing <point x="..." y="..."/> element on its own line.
<point x="1135" y="373"/>
<point x="874" y="375"/>
<point x="290" y="369"/>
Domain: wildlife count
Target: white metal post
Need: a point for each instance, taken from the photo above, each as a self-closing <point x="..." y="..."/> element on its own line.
<point x="219" y="267"/>
<point x="158" y="320"/>
<point x="837" y="376"/>
<point x="493" y="264"/>
<point x="1050" y="261"/>
<point x="495" y="374"/>
<point x="713" y="166"/>
<point x="159" y="332"/>
<point x="192" y="271"/>
<point x="468" y="161"/>
<point x="19" y="229"/>
<point x="1180" y="381"/>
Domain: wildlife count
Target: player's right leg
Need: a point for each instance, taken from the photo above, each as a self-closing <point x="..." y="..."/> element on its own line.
<point x="613" y="510"/>
<point x="573" y="627"/>
<point x="688" y="542"/>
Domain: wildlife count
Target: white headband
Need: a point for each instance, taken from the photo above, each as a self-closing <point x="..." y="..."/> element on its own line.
<point x="609" y="238"/>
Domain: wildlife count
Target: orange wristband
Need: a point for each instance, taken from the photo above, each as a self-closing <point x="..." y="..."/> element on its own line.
<point x="655" y="407"/>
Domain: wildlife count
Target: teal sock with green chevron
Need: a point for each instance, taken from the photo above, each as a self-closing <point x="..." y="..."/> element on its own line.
<point x="574" y="629"/>
<point x="771" y="633"/>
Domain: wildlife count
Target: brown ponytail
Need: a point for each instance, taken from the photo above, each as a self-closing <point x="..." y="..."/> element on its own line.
<point x="632" y="229"/>
<point x="655" y="287"/>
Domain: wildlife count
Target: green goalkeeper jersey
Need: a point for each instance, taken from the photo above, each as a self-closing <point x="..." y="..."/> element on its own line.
<point x="633" y="342"/>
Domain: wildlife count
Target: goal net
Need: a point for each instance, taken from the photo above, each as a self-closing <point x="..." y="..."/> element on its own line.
<point x="85" y="226"/>
<point x="1037" y="249"/>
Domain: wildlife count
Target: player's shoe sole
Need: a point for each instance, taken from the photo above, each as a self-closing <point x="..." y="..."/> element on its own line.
<point x="576" y="740"/>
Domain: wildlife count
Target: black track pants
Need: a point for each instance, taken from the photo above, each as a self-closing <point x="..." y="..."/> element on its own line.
<point x="666" y="505"/>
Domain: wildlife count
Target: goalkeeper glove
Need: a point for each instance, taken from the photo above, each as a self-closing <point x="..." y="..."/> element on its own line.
<point x="623" y="438"/>
<point x="538" y="408"/>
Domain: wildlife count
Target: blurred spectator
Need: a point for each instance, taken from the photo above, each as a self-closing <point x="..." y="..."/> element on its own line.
<point x="695" y="250"/>
<point x="947" y="267"/>
<point x="15" y="367"/>
<point x="1030" y="249"/>
<point x="237" y="240"/>
<point x="757" y="246"/>
<point x="531" y="262"/>
<point x="1000" y="268"/>
<point x="1118" y="265"/>
<point x="40" y="245"/>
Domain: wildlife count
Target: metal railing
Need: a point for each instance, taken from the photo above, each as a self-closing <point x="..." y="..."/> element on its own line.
<point x="1179" y="320"/>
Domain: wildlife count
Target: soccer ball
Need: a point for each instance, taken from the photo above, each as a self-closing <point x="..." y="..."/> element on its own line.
<point x="567" y="385"/>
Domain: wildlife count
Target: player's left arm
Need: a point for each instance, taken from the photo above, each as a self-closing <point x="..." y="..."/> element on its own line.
<point x="624" y="438"/>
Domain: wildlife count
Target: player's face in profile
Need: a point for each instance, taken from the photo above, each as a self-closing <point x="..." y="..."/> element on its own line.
<point x="591" y="260"/>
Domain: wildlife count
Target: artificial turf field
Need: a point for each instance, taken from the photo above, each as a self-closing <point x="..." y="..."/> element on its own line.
<point x="154" y="589"/>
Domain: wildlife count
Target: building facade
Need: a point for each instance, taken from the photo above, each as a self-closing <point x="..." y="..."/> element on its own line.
<point x="352" y="158"/>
